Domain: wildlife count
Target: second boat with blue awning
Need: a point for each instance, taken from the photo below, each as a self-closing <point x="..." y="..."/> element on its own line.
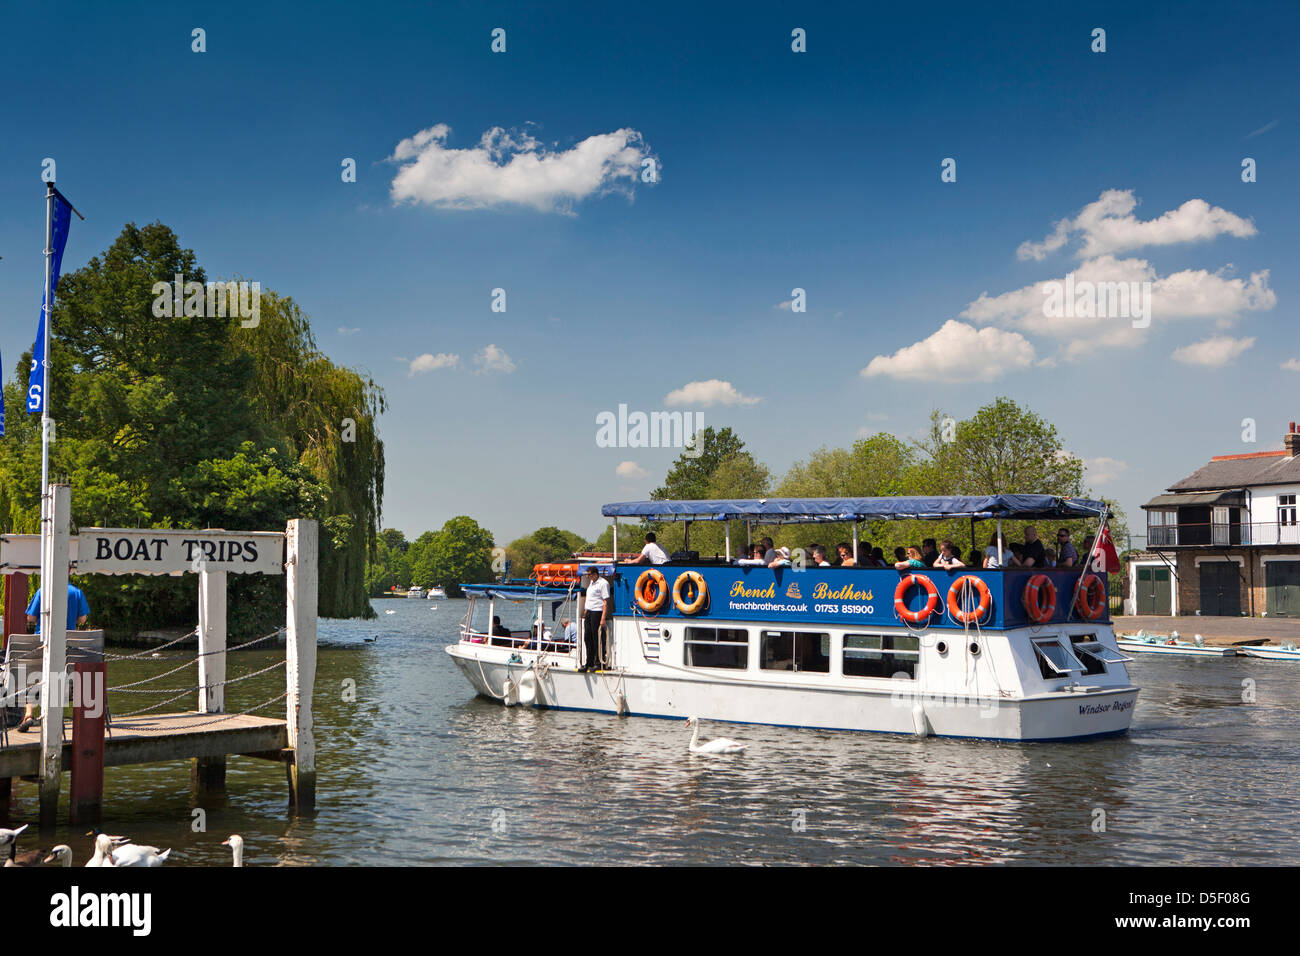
<point x="1015" y="654"/>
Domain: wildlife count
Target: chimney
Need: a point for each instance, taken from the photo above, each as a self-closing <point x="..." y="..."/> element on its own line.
<point x="1292" y="442"/>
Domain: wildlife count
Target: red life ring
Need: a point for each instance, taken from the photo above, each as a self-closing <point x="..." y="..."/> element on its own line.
<point x="931" y="601"/>
<point x="1039" y="612"/>
<point x="954" y="601"/>
<point x="1091" y="602"/>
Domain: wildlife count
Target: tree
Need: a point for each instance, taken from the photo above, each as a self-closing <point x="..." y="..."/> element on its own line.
<point x="461" y="553"/>
<point x="691" y="473"/>
<point x="545" y="545"/>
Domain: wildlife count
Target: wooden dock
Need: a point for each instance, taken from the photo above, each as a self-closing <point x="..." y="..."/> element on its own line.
<point x="161" y="737"/>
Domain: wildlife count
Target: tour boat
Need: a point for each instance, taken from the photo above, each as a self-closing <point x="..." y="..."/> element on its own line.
<point x="1017" y="654"/>
<point x="415" y="592"/>
<point x="436" y="592"/>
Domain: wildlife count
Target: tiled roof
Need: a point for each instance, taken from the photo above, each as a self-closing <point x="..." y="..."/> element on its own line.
<point x="1242" y="471"/>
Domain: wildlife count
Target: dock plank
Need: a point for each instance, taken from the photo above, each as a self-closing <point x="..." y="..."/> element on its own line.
<point x="146" y="739"/>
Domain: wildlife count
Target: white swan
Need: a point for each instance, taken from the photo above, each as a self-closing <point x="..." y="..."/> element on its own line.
<point x="236" y="844"/>
<point x="723" y="745"/>
<point x="61" y="854"/>
<point x="103" y="851"/>
<point x="9" y="836"/>
<point x="135" y="854"/>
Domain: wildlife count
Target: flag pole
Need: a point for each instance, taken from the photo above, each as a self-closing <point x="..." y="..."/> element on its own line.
<point x="46" y="529"/>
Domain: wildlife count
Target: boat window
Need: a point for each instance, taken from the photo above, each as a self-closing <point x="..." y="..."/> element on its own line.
<point x="806" y="651"/>
<point x="1087" y="646"/>
<point x="1054" y="660"/>
<point x="881" y="655"/>
<point x="717" y="647"/>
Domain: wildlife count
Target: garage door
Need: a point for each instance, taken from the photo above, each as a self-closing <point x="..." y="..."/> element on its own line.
<point x="1154" y="592"/>
<point x="1282" y="579"/>
<point x="1220" y="589"/>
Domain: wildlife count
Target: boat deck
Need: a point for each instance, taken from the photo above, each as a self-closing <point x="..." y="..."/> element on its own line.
<point x="146" y="739"/>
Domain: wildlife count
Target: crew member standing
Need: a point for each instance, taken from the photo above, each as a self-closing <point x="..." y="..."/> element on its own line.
<point x="593" y="621"/>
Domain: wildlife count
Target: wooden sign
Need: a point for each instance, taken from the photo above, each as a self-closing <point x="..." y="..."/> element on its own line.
<point x="151" y="551"/>
<point x="22" y="552"/>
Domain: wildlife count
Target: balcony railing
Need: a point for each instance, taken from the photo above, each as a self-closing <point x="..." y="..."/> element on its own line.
<point x="1222" y="535"/>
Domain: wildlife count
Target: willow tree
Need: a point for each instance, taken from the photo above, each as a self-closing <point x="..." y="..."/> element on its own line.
<point x="325" y="417"/>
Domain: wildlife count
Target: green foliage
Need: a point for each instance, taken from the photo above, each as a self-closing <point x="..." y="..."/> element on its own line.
<point x="461" y="553"/>
<point x="390" y="565"/>
<point x="543" y="546"/>
<point x="690" y="475"/>
<point x="195" y="422"/>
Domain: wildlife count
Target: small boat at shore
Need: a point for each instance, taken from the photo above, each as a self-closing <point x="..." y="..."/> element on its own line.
<point x="436" y="592"/>
<point x="1272" y="652"/>
<point x="1142" y="643"/>
<point x="1002" y="654"/>
<point x="417" y="593"/>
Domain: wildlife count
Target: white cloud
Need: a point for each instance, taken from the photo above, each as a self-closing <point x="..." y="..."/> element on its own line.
<point x="428" y="362"/>
<point x="1263" y="129"/>
<point x="493" y="359"/>
<point x="1103" y="470"/>
<point x="784" y="305"/>
<point x="1214" y="352"/>
<point x="711" y="392"/>
<point x="346" y="331"/>
<point x="1292" y="365"/>
<point x="630" y="469"/>
<point x="957" y="353"/>
<point x="515" y="168"/>
<point x="1109" y="226"/>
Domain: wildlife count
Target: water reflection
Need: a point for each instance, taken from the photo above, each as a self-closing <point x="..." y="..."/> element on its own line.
<point x="415" y="770"/>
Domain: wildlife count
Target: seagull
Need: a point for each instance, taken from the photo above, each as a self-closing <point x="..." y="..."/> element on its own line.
<point x="723" y="745"/>
<point x="236" y="844"/>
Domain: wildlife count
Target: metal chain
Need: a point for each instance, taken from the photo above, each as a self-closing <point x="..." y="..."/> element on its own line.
<point x="148" y="650"/>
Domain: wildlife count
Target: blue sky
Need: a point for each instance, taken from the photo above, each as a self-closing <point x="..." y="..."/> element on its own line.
<point x="817" y="170"/>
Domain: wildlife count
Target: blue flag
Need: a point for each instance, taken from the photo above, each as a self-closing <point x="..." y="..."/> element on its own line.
<point x="36" y="382"/>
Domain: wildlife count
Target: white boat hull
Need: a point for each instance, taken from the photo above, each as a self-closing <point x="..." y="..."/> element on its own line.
<point x="1061" y="715"/>
<point x="1271" y="653"/>
<point x="1184" y="650"/>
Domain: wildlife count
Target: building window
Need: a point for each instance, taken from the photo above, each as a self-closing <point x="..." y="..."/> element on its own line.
<point x="717" y="647"/>
<point x="796" y="651"/>
<point x="1162" y="527"/>
<point x="1286" y="509"/>
<point x="881" y="655"/>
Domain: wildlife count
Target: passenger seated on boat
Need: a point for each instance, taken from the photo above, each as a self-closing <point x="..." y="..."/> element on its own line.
<point x="499" y="629"/>
<point x="819" y="556"/>
<point x="651" y="553"/>
<point x="1033" y="555"/>
<point x="570" y="631"/>
<point x="769" y="552"/>
<point x="845" y="551"/>
<point x="782" y="559"/>
<point x="911" y="560"/>
<point x="929" y="553"/>
<point x="948" y="558"/>
<point x="975" y="559"/>
<point x="755" y="556"/>
<point x="877" y="558"/>
<point x="1066" y="556"/>
<point x="1017" y="555"/>
<point x="1049" y="557"/>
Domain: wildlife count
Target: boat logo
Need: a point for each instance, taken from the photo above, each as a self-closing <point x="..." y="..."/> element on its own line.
<point x="793" y="590"/>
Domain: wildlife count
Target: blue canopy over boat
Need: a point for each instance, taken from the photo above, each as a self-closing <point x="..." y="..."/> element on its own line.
<point x="782" y="510"/>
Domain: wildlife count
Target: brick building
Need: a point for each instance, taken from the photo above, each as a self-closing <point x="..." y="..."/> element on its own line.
<point x="1225" y="539"/>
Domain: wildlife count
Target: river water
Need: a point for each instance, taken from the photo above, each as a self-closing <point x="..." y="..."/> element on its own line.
<point x="413" y="770"/>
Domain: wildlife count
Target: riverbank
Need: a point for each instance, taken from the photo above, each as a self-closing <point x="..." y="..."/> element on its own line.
<point x="1217" y="631"/>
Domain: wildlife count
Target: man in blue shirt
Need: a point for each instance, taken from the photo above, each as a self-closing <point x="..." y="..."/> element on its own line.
<point x="78" y="613"/>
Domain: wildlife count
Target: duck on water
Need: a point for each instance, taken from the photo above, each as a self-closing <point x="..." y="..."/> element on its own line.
<point x="1024" y="654"/>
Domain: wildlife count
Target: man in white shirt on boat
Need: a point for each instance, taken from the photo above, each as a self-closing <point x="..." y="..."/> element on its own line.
<point x="651" y="553"/>
<point x="595" y="615"/>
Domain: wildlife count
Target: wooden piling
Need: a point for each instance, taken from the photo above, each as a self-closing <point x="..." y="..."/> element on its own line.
<point x="87" y="786"/>
<point x="15" y="605"/>
<point x="54" y="626"/>
<point x="208" y="774"/>
<point x="301" y="588"/>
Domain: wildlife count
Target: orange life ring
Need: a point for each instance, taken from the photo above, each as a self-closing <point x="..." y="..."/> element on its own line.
<point x="1040" y="612"/>
<point x="931" y="601"/>
<point x="1091" y="600"/>
<point x="651" y="591"/>
<point x="701" y="592"/>
<point x="954" y="602"/>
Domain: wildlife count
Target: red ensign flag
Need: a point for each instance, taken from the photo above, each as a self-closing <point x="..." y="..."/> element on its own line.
<point x="1104" y="557"/>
